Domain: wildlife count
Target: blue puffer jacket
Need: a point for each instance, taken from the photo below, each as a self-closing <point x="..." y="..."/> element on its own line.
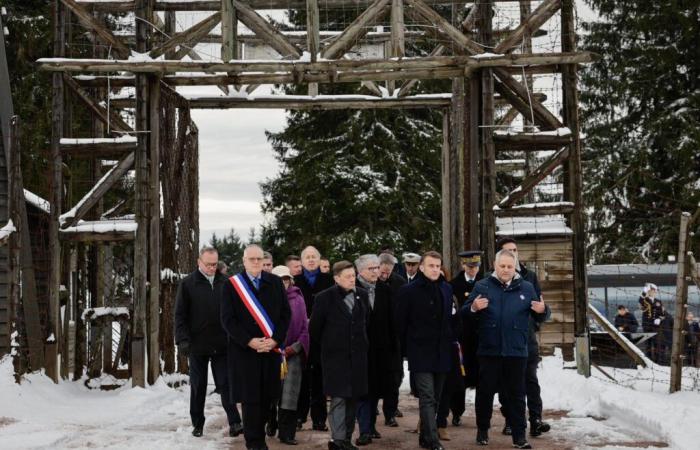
<point x="503" y="326"/>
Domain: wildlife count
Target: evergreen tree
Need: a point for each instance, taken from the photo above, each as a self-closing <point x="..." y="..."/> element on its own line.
<point x="230" y="249"/>
<point x="641" y="115"/>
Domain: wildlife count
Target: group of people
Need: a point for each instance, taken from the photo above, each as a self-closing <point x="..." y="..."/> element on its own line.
<point x="300" y="339"/>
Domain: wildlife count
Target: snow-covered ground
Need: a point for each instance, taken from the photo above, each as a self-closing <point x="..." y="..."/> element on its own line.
<point x="41" y="415"/>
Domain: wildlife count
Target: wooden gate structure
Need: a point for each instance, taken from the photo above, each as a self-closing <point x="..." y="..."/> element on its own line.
<point x="483" y="83"/>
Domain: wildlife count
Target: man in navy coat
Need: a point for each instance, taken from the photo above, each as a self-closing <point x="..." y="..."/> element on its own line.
<point x="503" y="303"/>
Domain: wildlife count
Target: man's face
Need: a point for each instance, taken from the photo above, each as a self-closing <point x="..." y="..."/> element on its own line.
<point x="690" y="317"/>
<point x="294" y="267"/>
<point x="471" y="271"/>
<point x="411" y="268"/>
<point x="346" y="279"/>
<point x="252" y="261"/>
<point x="622" y="311"/>
<point x="385" y="271"/>
<point x="207" y="263"/>
<point x="652" y="293"/>
<point x="431" y="267"/>
<point x="511" y="247"/>
<point x="325" y="266"/>
<point x="370" y="273"/>
<point x="505" y="268"/>
<point x="267" y="265"/>
<point x="310" y="259"/>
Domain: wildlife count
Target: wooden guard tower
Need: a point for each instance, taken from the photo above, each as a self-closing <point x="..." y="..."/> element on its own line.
<point x="484" y="83"/>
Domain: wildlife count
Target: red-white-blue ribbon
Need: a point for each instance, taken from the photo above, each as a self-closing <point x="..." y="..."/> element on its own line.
<point x="252" y="304"/>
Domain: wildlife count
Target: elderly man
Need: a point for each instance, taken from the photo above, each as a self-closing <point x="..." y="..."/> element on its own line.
<point x="410" y="262"/>
<point x="311" y="281"/>
<point x="338" y="330"/>
<point x="387" y="262"/>
<point x="267" y="261"/>
<point x="503" y="304"/>
<point x="201" y="339"/>
<point x="255" y="314"/>
<point x="384" y="358"/>
<point x="424" y="311"/>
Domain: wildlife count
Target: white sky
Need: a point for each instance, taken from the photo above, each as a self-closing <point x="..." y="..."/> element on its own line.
<point x="235" y="157"/>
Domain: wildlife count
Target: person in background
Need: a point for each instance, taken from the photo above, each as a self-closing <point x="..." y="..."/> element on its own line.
<point x="692" y="335"/>
<point x="222" y="268"/>
<point x="398" y="268"/>
<point x="387" y="263"/>
<point x="646" y="304"/>
<point x="410" y="262"/>
<point x="664" y="324"/>
<point x="200" y="337"/>
<point x="338" y="329"/>
<point x="625" y="322"/>
<point x="267" y="262"/>
<point x="325" y="265"/>
<point x="293" y="262"/>
<point x="296" y="351"/>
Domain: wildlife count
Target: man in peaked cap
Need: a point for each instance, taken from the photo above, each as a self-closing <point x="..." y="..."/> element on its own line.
<point x="410" y="262"/>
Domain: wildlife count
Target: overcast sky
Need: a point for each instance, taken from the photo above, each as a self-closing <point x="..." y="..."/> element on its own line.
<point x="235" y="157"/>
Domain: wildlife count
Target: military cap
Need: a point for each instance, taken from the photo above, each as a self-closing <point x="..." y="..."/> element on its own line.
<point x="410" y="257"/>
<point x="470" y="257"/>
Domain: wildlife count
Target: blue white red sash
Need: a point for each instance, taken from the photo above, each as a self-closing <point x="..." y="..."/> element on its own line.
<point x="250" y="301"/>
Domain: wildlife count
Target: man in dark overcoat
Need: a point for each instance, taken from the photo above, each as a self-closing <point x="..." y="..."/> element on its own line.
<point x="384" y="359"/>
<point x="423" y="321"/>
<point x="338" y="330"/>
<point x="504" y="303"/>
<point x="200" y="337"/>
<point x="254" y="359"/>
<point x="311" y="281"/>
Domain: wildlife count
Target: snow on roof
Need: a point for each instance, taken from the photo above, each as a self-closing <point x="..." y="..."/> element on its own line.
<point x="524" y="226"/>
<point x="119" y="140"/>
<point x="92" y="313"/>
<point x="564" y="131"/>
<point x="37" y="201"/>
<point x="103" y="226"/>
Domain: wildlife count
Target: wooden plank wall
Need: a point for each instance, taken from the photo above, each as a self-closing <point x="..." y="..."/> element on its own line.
<point x="552" y="258"/>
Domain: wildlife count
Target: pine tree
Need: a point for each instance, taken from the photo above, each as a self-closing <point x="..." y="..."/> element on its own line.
<point x="641" y="115"/>
<point x="230" y="249"/>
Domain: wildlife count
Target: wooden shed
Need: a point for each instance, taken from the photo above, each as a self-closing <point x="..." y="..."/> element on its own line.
<point x="545" y="246"/>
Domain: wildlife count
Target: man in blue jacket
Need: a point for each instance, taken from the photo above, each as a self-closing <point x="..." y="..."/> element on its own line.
<point x="423" y="322"/>
<point x="503" y="303"/>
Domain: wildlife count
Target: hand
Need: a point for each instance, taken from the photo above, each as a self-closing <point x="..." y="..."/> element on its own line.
<point x="183" y="348"/>
<point x="480" y="303"/>
<point x="289" y="352"/>
<point x="538" y="307"/>
<point x="256" y="343"/>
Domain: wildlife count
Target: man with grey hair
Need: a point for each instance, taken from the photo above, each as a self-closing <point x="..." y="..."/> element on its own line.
<point x="200" y="338"/>
<point x="311" y="281"/>
<point x="384" y="356"/>
<point x="502" y="304"/>
<point x="387" y="274"/>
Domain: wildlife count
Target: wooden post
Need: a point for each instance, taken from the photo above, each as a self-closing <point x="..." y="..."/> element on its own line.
<point x="575" y="189"/>
<point x="452" y="200"/>
<point x="488" y="157"/>
<point x="525" y="10"/>
<point x="471" y="165"/>
<point x="313" y="39"/>
<point x="398" y="41"/>
<point x="144" y="9"/>
<point x="229" y="31"/>
<point x="677" y="353"/>
<point x="154" y="232"/>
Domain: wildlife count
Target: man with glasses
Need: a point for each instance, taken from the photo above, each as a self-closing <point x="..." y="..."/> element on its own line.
<point x="201" y="339"/>
<point x="255" y="314"/>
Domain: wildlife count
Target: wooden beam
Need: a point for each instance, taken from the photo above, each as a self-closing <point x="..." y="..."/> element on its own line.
<point x="89" y="236"/>
<point x="109" y="118"/>
<point x="419" y="10"/>
<point x="521" y="98"/>
<point x="100" y="150"/>
<point x="618" y="337"/>
<point x="88" y="21"/>
<point x="540" y="209"/>
<point x="313" y="37"/>
<point x="408" y="85"/>
<point x="153" y="323"/>
<point x="531" y="141"/>
<point x="191" y="35"/>
<point x="358" y="28"/>
<point x="320" y="102"/>
<point x="533" y="23"/>
<point x="535" y="177"/>
<point x="266" y="31"/>
<point x="229" y="31"/>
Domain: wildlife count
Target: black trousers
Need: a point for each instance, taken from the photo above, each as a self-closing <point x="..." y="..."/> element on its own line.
<point x="532" y="390"/>
<point x="318" y="406"/>
<point x="255" y="416"/>
<point x="287" y="420"/>
<point x="198" y="387"/>
<point x="304" y="395"/>
<point x="505" y="375"/>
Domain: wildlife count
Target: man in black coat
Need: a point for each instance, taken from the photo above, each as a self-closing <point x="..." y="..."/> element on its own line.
<point x="201" y="339"/>
<point x="311" y="281"/>
<point x="625" y="322"/>
<point x="384" y="359"/>
<point x="423" y="321"/>
<point x="339" y="343"/>
<point x="255" y="315"/>
<point x="462" y="285"/>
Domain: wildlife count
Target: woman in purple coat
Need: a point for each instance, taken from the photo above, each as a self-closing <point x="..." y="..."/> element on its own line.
<point x="296" y="350"/>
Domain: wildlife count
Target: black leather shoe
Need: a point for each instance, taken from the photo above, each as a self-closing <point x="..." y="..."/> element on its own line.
<point x="364" y="439"/>
<point x="482" y="437"/>
<point x="422" y="442"/>
<point x="289" y="441"/>
<point x="521" y="443"/>
<point x="456" y="421"/>
<point x="235" y="430"/>
<point x="537" y="427"/>
<point x="319" y="427"/>
<point x="507" y="431"/>
<point x="197" y="432"/>
<point x="437" y="447"/>
<point x="270" y="429"/>
<point x="398" y="413"/>
<point x="391" y="422"/>
<point x="374" y="434"/>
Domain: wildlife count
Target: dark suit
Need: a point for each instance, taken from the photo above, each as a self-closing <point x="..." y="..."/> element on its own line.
<point x="255" y="377"/>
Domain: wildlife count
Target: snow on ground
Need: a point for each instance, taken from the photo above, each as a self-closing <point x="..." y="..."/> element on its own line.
<point x="41" y="415"/>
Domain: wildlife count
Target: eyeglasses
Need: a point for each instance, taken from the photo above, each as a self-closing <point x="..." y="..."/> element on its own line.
<point x="373" y="268"/>
<point x="210" y="264"/>
<point x="253" y="259"/>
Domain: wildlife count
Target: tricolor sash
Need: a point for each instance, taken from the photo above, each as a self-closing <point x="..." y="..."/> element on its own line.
<point x="256" y="310"/>
<point x="462" y="370"/>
